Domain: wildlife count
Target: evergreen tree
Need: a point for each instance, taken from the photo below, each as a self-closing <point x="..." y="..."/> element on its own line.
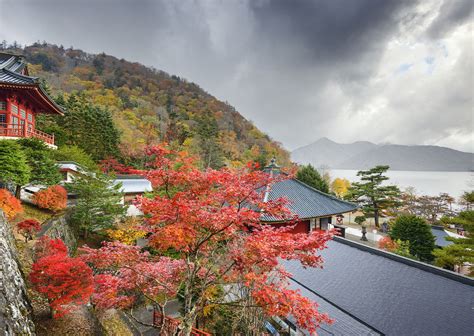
<point x="371" y="194"/>
<point x="309" y="175"/>
<point x="462" y="251"/>
<point x="415" y="230"/>
<point x="208" y="132"/>
<point x="75" y="154"/>
<point x="98" y="203"/>
<point x="467" y="199"/>
<point x="14" y="168"/>
<point x="44" y="169"/>
<point x="84" y="125"/>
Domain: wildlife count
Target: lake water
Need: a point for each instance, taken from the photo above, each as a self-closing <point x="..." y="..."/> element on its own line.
<point x="425" y="182"/>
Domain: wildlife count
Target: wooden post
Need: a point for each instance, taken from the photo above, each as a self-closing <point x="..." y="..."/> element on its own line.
<point x="25" y="129"/>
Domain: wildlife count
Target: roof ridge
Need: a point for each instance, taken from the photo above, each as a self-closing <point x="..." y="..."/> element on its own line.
<point x="409" y="262"/>
<point x="7" y="62"/>
<point x="18" y="75"/>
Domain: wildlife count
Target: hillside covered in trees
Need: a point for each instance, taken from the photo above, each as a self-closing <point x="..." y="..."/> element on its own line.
<point x="117" y="108"/>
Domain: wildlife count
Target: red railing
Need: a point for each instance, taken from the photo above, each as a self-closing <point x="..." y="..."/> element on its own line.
<point x="12" y="130"/>
<point x="170" y="325"/>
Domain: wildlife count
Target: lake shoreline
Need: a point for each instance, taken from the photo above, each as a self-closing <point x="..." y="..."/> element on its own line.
<point x="425" y="182"/>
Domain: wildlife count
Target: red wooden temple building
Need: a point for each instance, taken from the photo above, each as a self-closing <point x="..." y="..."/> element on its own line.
<point x="21" y="100"/>
<point x="315" y="210"/>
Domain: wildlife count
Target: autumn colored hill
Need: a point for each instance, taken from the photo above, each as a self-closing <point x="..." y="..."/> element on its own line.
<point x="150" y="106"/>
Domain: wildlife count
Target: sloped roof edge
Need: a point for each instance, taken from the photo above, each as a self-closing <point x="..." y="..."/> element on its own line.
<point x="407" y="261"/>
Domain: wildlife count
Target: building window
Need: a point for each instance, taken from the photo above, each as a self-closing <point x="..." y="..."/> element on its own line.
<point x="14" y="109"/>
<point x="30" y="117"/>
<point x="22" y="113"/>
<point x="30" y="127"/>
<point x="3" y="118"/>
<point x="3" y="105"/>
<point x="15" y="121"/>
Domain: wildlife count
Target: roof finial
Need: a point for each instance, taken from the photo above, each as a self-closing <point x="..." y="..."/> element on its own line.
<point x="272" y="167"/>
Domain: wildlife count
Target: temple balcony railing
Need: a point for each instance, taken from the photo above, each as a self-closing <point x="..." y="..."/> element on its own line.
<point x="18" y="131"/>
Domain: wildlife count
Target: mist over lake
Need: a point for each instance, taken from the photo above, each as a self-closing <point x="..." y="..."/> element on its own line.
<point x="425" y="182"/>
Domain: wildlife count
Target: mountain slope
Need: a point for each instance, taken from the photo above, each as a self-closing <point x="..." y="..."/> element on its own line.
<point x="364" y="155"/>
<point x="150" y="106"/>
<point x="325" y="152"/>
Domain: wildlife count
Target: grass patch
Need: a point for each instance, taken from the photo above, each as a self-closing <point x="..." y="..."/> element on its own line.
<point x="30" y="211"/>
<point x="112" y="324"/>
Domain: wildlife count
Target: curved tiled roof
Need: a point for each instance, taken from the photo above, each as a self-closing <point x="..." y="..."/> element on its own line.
<point x="14" y="73"/>
<point x="307" y="202"/>
<point x="12" y="70"/>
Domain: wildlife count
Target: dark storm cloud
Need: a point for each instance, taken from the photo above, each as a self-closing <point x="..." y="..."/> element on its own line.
<point x="451" y="14"/>
<point x="332" y="33"/>
<point x="329" y="30"/>
<point x="350" y="70"/>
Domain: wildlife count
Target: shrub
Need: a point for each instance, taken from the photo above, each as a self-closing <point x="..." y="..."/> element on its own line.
<point x="386" y="243"/>
<point x="360" y="220"/>
<point x="53" y="198"/>
<point x="10" y="205"/>
<point x="76" y="154"/>
<point x="28" y="228"/>
<point x="66" y="282"/>
<point x="415" y="231"/>
<point x="46" y="246"/>
<point x="127" y="232"/>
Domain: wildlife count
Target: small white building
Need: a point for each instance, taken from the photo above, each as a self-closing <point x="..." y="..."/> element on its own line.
<point x="133" y="186"/>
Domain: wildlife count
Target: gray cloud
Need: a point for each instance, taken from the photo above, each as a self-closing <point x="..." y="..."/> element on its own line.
<point x="398" y="71"/>
<point x="451" y="14"/>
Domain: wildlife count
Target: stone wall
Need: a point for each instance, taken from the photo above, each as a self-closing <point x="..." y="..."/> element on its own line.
<point x="15" y="309"/>
<point x="57" y="227"/>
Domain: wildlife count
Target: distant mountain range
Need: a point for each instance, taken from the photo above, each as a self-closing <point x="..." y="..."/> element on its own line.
<point x="364" y="155"/>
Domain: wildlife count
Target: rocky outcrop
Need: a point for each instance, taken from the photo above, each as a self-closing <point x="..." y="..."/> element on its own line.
<point x="15" y="308"/>
<point x="57" y="227"/>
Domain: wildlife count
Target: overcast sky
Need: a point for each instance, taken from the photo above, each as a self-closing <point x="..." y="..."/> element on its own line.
<point x="384" y="71"/>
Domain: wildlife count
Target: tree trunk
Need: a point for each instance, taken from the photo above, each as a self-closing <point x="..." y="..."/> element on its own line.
<point x="376" y="216"/>
<point x="18" y="191"/>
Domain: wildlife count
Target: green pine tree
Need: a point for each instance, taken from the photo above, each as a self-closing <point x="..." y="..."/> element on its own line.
<point x="309" y="175"/>
<point x="372" y="196"/>
<point x="415" y="230"/>
<point x="98" y="203"/>
<point x="462" y="251"/>
<point x="85" y="125"/>
<point x="44" y="170"/>
<point x="208" y="132"/>
<point x="14" y="167"/>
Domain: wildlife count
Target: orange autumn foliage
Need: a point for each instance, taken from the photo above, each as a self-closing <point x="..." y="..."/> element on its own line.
<point x="10" y="205"/>
<point x="54" y="198"/>
<point x="387" y="244"/>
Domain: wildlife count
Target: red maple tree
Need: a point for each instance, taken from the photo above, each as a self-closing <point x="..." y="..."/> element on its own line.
<point x="46" y="246"/>
<point x="10" y="205"/>
<point x="66" y="282"/>
<point x="210" y="223"/>
<point x="28" y="227"/>
<point x="53" y="198"/>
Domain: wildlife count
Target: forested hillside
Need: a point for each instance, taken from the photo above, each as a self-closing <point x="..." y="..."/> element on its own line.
<point x="146" y="106"/>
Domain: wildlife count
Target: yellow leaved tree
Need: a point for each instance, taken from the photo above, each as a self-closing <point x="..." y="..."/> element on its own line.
<point x="340" y="186"/>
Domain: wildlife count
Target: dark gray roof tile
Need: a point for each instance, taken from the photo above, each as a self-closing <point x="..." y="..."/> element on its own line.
<point x="306" y="201"/>
<point x="395" y="297"/>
